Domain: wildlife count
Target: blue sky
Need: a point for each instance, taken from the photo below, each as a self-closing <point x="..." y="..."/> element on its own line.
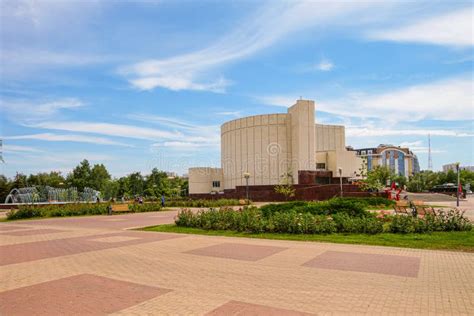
<point x="144" y="84"/>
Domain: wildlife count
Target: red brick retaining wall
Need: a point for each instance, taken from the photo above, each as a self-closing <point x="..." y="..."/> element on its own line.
<point x="266" y="193"/>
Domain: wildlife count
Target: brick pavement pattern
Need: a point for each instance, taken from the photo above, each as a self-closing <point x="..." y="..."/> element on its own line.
<point x="94" y="266"/>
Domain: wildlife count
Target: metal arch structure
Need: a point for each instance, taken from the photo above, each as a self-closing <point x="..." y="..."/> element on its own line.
<point x="47" y="194"/>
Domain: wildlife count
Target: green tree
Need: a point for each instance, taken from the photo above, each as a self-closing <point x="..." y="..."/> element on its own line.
<point x="80" y="176"/>
<point x="5" y="187"/>
<point x="157" y="184"/>
<point x="52" y="179"/>
<point x="99" y="178"/>
<point x="378" y="178"/>
<point x="136" y="184"/>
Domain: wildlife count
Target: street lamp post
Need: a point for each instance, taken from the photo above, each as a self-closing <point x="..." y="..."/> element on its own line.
<point x="247" y="176"/>
<point x="457" y="189"/>
<point x="340" y="179"/>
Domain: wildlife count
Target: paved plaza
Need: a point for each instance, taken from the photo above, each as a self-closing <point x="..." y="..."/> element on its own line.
<point x="96" y="265"/>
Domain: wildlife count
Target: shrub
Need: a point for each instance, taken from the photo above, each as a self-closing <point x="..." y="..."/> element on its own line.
<point x="251" y="219"/>
<point x="30" y="211"/>
<point x="374" y="201"/>
<point x="402" y="224"/>
<point x="185" y="218"/>
<point x="351" y="207"/>
<point x="349" y="224"/>
<point x="146" y="207"/>
<point x="452" y="220"/>
<point x="202" y="203"/>
<point x="270" y="209"/>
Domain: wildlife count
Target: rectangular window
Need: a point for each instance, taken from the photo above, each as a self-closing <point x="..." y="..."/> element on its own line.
<point x="216" y="184"/>
<point x="321" y="166"/>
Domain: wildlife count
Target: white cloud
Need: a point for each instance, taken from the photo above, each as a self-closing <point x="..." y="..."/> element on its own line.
<point x="419" y="148"/>
<point x="68" y="138"/>
<point x="28" y="110"/>
<point x="185" y="146"/>
<point x="192" y="71"/>
<point x="230" y="113"/>
<point x="384" y="132"/>
<point x="325" y="65"/>
<point x="189" y="131"/>
<point x="447" y="99"/>
<point x="451" y="29"/>
<point x="417" y="143"/>
<point x="118" y="130"/>
<point x="15" y="149"/>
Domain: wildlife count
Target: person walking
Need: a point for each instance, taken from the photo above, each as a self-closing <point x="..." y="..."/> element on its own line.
<point x="163" y="200"/>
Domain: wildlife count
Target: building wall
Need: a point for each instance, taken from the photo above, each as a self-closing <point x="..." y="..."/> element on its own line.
<point x="201" y="179"/>
<point x="302" y="127"/>
<point x="330" y="137"/>
<point x="258" y="145"/>
<point x="347" y="160"/>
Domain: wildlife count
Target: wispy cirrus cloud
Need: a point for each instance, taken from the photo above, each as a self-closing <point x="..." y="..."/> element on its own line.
<point x="419" y="148"/>
<point x="230" y="113"/>
<point x="50" y="137"/>
<point x="447" y="99"/>
<point x="110" y="129"/>
<point x="29" y="110"/>
<point x="449" y="29"/>
<point x="7" y="148"/>
<point x="192" y="135"/>
<point x="195" y="70"/>
<point x="372" y="131"/>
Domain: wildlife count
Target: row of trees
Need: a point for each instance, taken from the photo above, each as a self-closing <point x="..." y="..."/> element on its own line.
<point x="422" y="181"/>
<point x="98" y="178"/>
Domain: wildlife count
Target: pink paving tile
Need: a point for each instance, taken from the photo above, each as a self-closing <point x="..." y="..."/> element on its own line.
<point x="5" y="228"/>
<point x="33" y="232"/>
<point x="83" y="294"/>
<point x="241" y="308"/>
<point x="404" y="266"/>
<point x="10" y="254"/>
<point x="237" y="251"/>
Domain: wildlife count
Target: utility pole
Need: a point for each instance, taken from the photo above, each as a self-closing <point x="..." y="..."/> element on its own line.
<point x="340" y="180"/>
<point x="430" y="161"/>
<point x="247" y="176"/>
<point x="457" y="189"/>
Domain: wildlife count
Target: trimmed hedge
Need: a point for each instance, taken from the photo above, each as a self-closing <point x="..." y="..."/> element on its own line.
<point x="202" y="203"/>
<point x="253" y="220"/>
<point x="79" y="209"/>
<point x="30" y="211"/>
<point x="329" y="207"/>
<point x="145" y="207"/>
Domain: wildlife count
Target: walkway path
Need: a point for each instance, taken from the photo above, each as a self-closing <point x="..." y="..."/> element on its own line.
<point x="91" y="265"/>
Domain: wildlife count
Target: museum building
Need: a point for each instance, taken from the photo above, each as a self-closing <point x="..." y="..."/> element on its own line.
<point x="271" y="149"/>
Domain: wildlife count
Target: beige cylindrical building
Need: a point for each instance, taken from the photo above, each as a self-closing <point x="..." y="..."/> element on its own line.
<point x="271" y="148"/>
<point x="258" y="145"/>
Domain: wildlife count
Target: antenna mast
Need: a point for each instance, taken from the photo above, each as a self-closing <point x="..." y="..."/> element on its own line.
<point x="430" y="160"/>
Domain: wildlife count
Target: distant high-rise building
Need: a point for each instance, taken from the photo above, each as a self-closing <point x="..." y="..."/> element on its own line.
<point x="452" y="166"/>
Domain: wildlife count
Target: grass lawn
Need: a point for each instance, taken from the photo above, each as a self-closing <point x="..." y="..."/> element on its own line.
<point x="458" y="241"/>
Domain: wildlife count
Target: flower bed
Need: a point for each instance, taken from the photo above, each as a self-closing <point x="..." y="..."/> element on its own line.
<point x="254" y="220"/>
<point x="30" y="211"/>
<point x="202" y="203"/>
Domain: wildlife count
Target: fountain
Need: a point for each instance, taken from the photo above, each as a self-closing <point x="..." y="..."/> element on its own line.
<point x="47" y="194"/>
